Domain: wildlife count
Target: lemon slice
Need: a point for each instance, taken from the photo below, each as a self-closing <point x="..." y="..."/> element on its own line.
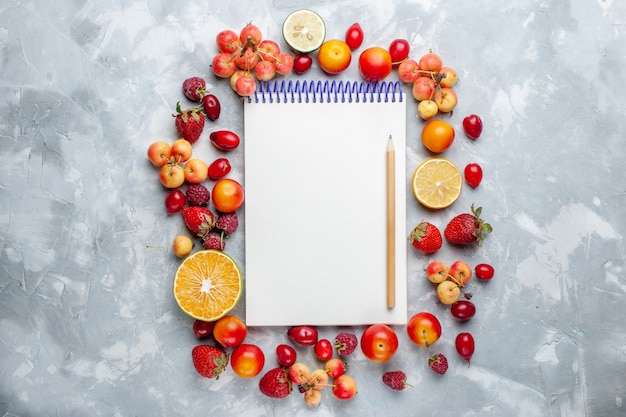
<point x="208" y="285"/>
<point x="437" y="183"/>
<point x="304" y="31"/>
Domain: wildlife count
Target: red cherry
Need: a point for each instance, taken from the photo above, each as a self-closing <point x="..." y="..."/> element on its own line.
<point x="484" y="271"/>
<point x="174" y="201"/>
<point x="354" y="36"/>
<point x="473" y="126"/>
<point x="203" y="328"/>
<point x="473" y="174"/>
<point x="218" y="169"/>
<point x="323" y="349"/>
<point x="399" y="50"/>
<point x="302" y="63"/>
<point x="286" y="355"/>
<point x="464" y="344"/>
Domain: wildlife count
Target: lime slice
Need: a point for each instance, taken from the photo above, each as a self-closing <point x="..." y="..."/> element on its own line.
<point x="437" y="183"/>
<point x="304" y="31"/>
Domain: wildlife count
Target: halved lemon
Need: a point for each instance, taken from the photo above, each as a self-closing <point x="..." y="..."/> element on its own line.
<point x="208" y="285"/>
<point x="304" y="31"/>
<point x="437" y="183"/>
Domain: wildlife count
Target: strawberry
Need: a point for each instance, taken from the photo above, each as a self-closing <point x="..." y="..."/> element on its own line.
<point x="200" y="220"/>
<point x="194" y="88"/>
<point x="467" y="228"/>
<point x="197" y="195"/>
<point x="228" y="222"/>
<point x="346" y="343"/>
<point x="438" y="363"/>
<point x="189" y="123"/>
<point x="275" y="383"/>
<point x="426" y="238"/>
<point x="396" y="380"/>
<point x="209" y="361"/>
<point x="214" y="240"/>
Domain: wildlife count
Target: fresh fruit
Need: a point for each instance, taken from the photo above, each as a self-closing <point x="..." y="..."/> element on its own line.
<point x="424" y="88"/>
<point x="436" y="272"/>
<point x="230" y="331"/>
<point x="174" y="201"/>
<point x="159" y="153"/>
<point x="223" y="65"/>
<point x="247" y="360"/>
<point x="424" y="329"/>
<point x="302" y="63"/>
<point x="335" y="367"/>
<point x="426" y="237"/>
<point x="312" y="397"/>
<point x="334" y="56"/>
<point x="430" y="62"/>
<point x="265" y="70"/>
<point x="182" y="246"/>
<point x="207" y="285"/>
<point x="396" y="380"/>
<point x="209" y="361"/>
<point x="467" y="228"/>
<point x="399" y="50"/>
<point x="284" y="63"/>
<point x="224" y="140"/>
<point x="354" y="36"/>
<point x="228" y="41"/>
<point x="464" y="344"/>
<point x="194" y="88"/>
<point x="243" y="83"/>
<point x="202" y="328"/>
<point x="344" y="387"/>
<point x="427" y="109"/>
<point x="448" y="77"/>
<point x="268" y="50"/>
<point x="437" y="183"/>
<point x="448" y="292"/>
<point x="408" y="71"/>
<point x="299" y="373"/>
<point x="318" y="380"/>
<point x="375" y="64"/>
<point x="304" y="31"/>
<point x="189" y="123"/>
<point x="227" y="222"/>
<point x="196" y="171"/>
<point x="446" y="99"/>
<point x="346" y="343"/>
<point x="198" y="219"/>
<point x="379" y="342"/>
<point x="286" y="355"/>
<point x="484" y="271"/>
<point x="275" y="383"/>
<point x="172" y="175"/>
<point x="438" y="363"/>
<point x="473" y="174"/>
<point x="323" y="349"/>
<point x="437" y="135"/>
<point x="181" y="151"/>
<point x="472" y="126"/>
<point x="214" y="240"/>
<point x="463" y="310"/>
<point x="227" y="195"/>
<point x="460" y="272"/>
<point x="211" y="107"/>
<point x="250" y="33"/>
<point x="197" y="195"/>
<point x="303" y="335"/>
<point x="218" y="169"/>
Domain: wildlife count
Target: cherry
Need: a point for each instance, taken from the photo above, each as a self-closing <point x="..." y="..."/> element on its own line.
<point x="224" y="140"/>
<point x="473" y="126"/>
<point x="175" y="201"/>
<point x="323" y="349"/>
<point x="203" y="328"/>
<point x="354" y="36"/>
<point x="218" y="169"/>
<point x="399" y="50"/>
<point x="303" y="335"/>
<point x="473" y="174"/>
<point x="484" y="271"/>
<point x="302" y="63"/>
<point x="464" y="344"/>
<point x="463" y="310"/>
<point x="286" y="355"/>
<point x="211" y="106"/>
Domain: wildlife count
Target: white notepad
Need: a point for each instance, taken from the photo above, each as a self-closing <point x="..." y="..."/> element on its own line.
<point x="315" y="209"/>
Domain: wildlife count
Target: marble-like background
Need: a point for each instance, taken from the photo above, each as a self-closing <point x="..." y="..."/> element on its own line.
<point x="88" y="325"/>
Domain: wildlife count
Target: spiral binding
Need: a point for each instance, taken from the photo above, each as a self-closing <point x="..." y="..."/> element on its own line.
<point x="288" y="91"/>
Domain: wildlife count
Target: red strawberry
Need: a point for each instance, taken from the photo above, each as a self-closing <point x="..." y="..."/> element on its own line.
<point x="467" y="228"/>
<point x="396" y="380"/>
<point x="275" y="383"/>
<point x="214" y="240"/>
<point x="194" y="88"/>
<point x="228" y="222"/>
<point x="189" y="123"/>
<point x="438" y="363"/>
<point x="346" y="343"/>
<point x="200" y="220"/>
<point x="209" y="361"/>
<point x="426" y="238"/>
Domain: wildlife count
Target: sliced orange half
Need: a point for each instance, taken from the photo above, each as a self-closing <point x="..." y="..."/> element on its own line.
<point x="437" y="183"/>
<point x="208" y="285"/>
